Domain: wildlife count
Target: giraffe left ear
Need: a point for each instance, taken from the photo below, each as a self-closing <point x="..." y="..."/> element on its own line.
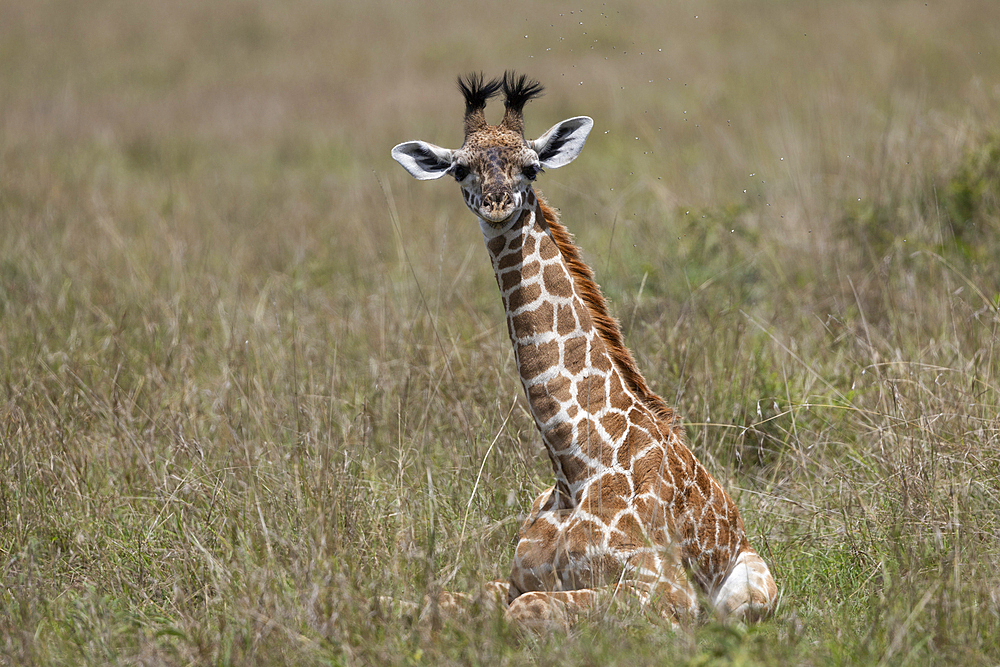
<point x="563" y="142"/>
<point x="424" y="161"/>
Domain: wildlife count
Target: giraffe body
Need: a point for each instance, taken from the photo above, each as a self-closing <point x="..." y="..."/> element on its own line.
<point x="632" y="512"/>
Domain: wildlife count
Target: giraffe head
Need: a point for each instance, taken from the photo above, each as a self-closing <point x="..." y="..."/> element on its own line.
<point x="496" y="165"/>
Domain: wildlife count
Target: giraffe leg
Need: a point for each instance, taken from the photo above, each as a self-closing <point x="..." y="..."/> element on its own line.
<point x="452" y="605"/>
<point x="493" y="595"/>
<point x="551" y="610"/>
<point x="559" y="610"/>
<point x="748" y="593"/>
<point x="672" y="595"/>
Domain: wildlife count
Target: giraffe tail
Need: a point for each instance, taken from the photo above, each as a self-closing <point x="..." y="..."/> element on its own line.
<point x="748" y="593"/>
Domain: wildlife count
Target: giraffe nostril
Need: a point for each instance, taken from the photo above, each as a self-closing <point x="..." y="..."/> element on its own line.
<point x="496" y="199"/>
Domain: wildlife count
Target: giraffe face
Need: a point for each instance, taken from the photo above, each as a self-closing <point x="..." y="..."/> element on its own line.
<point x="495" y="169"/>
<point x="495" y="166"/>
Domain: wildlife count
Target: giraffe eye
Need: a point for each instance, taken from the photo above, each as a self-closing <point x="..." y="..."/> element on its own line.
<point x="531" y="172"/>
<point x="459" y="171"/>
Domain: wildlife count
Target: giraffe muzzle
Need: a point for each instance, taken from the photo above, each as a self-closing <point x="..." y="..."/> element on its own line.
<point x="497" y="206"/>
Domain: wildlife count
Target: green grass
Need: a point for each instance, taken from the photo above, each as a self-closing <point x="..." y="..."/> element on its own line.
<point x="250" y="370"/>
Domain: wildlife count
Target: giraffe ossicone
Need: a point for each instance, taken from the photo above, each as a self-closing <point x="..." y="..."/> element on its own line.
<point x="632" y="514"/>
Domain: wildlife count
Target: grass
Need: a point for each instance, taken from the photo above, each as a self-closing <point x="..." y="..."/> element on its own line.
<point x="252" y="372"/>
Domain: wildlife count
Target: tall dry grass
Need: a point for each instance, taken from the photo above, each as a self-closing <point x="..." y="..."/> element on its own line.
<point x="252" y="373"/>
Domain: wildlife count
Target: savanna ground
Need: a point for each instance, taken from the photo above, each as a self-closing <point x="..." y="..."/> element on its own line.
<point x="254" y="376"/>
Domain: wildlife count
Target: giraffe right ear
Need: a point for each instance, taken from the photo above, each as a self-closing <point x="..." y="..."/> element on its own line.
<point x="563" y="142"/>
<point x="424" y="161"/>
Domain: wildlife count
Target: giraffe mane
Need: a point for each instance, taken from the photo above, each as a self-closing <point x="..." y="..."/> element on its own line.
<point x="607" y="326"/>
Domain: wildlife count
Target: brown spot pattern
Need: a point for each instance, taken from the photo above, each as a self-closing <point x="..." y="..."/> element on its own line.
<point x="532" y="322"/>
<point x="523" y="296"/>
<point x="565" y="321"/>
<point x="557" y="281"/>
<point x="536" y="358"/>
<point x="559" y="388"/>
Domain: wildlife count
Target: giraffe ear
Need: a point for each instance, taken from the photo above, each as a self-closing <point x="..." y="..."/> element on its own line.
<point x="563" y="142"/>
<point x="424" y="161"/>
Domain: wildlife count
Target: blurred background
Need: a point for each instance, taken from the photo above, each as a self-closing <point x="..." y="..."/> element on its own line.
<point x="255" y="376"/>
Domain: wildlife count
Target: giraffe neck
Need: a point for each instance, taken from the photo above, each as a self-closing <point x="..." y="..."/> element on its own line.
<point x="574" y="388"/>
<point x="602" y="426"/>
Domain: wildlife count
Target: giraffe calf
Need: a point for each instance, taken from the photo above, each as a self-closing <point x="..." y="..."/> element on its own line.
<point x="633" y="513"/>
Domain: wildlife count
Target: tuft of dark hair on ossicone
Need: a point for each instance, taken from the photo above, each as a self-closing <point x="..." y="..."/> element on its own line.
<point x="477" y="91"/>
<point x="518" y="90"/>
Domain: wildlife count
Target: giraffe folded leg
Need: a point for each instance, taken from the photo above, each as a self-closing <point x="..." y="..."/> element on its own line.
<point x="548" y="610"/>
<point x="453" y="605"/>
<point x="551" y="610"/>
<point x="748" y="593"/>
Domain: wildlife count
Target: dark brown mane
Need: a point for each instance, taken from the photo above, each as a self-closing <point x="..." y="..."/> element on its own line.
<point x="607" y="326"/>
